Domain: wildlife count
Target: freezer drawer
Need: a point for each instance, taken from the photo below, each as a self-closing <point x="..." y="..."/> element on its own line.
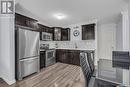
<point x="28" y="66"/>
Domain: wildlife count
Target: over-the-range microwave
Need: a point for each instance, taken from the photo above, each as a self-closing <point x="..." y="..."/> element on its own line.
<point x="46" y="36"/>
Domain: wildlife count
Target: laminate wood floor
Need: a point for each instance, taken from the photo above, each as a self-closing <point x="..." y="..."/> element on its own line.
<point x="57" y="75"/>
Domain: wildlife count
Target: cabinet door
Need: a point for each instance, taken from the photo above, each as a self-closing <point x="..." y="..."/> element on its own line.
<point x="76" y="58"/>
<point x="58" y="55"/>
<point x="20" y="20"/>
<point x="73" y="57"/>
<point x="64" y="57"/>
<point x="88" y="32"/>
<point x="65" y="34"/>
<point x="70" y="57"/>
<point x="49" y="30"/>
<point x="57" y="34"/>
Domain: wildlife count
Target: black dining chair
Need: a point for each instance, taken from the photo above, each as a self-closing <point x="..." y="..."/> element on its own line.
<point x="87" y="65"/>
<point x="90" y="57"/>
<point x="85" y="68"/>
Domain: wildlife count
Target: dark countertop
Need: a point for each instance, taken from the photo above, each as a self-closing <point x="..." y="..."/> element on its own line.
<point x="75" y="49"/>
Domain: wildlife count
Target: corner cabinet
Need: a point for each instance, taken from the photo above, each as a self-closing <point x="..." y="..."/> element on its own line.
<point x="88" y="32"/>
<point x="61" y="34"/>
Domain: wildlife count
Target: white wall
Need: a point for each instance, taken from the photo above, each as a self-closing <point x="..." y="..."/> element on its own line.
<point x="122" y="38"/>
<point x="119" y="35"/>
<point x="125" y="30"/>
<point x="7" y="57"/>
<point x="106" y="40"/>
<point x="79" y="28"/>
<point x="129" y="22"/>
<point x="129" y="34"/>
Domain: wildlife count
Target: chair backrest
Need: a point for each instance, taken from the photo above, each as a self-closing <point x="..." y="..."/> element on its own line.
<point x="85" y="67"/>
<point x="90" y="57"/>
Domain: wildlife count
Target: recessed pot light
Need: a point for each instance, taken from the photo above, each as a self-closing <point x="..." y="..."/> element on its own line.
<point x="59" y="16"/>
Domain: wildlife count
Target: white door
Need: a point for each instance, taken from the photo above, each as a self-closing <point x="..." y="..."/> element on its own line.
<point x="107" y="42"/>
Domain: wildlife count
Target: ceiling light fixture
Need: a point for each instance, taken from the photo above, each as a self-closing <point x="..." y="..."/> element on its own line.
<point x="59" y="16"/>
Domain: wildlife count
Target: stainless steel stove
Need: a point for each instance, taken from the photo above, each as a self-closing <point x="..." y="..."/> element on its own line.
<point x="47" y="56"/>
<point x="50" y="57"/>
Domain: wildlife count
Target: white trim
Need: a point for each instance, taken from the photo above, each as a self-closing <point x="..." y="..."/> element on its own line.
<point x="9" y="82"/>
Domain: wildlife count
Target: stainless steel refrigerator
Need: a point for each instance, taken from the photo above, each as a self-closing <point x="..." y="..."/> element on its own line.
<point x="27" y="52"/>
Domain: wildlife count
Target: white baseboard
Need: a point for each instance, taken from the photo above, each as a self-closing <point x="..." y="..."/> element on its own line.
<point x="9" y="82"/>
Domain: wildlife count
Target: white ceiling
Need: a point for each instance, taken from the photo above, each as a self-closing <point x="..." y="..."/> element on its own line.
<point x="76" y="10"/>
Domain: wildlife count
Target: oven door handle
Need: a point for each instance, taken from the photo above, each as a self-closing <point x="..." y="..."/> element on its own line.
<point x="50" y="51"/>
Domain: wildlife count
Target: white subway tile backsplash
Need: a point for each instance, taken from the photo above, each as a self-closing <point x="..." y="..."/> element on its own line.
<point x="80" y="45"/>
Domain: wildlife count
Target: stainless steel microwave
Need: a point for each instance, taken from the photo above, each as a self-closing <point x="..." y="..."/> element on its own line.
<point x="46" y="36"/>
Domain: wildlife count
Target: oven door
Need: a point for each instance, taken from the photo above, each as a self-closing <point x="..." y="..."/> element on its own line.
<point x="50" y="57"/>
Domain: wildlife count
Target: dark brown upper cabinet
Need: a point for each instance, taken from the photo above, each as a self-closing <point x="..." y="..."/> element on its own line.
<point x="57" y="33"/>
<point x="43" y="28"/>
<point x="61" y="34"/>
<point x="65" y="34"/>
<point x="88" y="32"/>
<point x="26" y="21"/>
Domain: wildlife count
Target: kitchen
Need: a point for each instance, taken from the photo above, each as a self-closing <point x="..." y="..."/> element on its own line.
<point x="50" y="50"/>
<point x="54" y="45"/>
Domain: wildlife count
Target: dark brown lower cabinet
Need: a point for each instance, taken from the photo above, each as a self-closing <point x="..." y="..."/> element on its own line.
<point x="76" y="58"/>
<point x="68" y="56"/>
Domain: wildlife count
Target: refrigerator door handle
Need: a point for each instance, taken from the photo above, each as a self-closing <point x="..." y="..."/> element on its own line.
<point x="29" y="59"/>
